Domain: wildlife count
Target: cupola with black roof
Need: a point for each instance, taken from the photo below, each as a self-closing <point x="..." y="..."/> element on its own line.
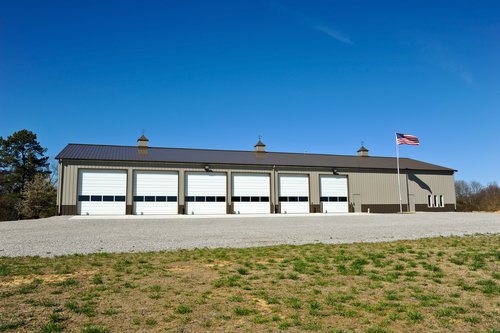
<point x="260" y="146"/>
<point x="363" y="152"/>
<point x="143" y="142"/>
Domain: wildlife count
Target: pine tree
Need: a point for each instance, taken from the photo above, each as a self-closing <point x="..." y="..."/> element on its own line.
<point x="21" y="158"/>
<point x="38" y="198"/>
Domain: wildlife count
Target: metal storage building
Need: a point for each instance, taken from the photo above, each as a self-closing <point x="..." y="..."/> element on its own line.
<point x="106" y="179"/>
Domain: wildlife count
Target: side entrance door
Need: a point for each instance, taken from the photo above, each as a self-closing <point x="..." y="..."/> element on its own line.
<point x="411" y="199"/>
<point x="356" y="201"/>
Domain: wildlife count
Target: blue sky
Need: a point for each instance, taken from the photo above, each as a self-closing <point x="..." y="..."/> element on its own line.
<point x="315" y="76"/>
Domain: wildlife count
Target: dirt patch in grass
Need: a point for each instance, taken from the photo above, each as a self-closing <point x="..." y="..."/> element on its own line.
<point x="261" y="304"/>
<point x="218" y="263"/>
<point x="20" y="280"/>
<point x="441" y="284"/>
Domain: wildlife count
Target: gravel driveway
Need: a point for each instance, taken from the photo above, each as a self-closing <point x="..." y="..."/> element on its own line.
<point x="68" y="235"/>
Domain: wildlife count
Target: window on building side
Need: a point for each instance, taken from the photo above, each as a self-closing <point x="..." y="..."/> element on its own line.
<point x="429" y="201"/>
<point x="436" y="201"/>
<point x="441" y="201"/>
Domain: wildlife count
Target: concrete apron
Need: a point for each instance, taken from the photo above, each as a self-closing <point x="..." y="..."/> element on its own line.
<point x="222" y="216"/>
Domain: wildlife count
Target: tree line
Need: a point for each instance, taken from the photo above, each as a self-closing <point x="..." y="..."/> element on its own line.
<point x="473" y="196"/>
<point x="27" y="186"/>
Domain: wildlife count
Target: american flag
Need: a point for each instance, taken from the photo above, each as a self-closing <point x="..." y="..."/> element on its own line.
<point x="407" y="139"/>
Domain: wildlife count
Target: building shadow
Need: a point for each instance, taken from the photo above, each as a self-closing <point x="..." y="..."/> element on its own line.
<point x="423" y="185"/>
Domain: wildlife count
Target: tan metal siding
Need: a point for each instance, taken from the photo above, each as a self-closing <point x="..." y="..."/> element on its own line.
<point x="130" y="182"/>
<point x="273" y="199"/>
<point x="59" y="186"/>
<point x="376" y="188"/>
<point x="314" y="188"/>
<point x="69" y="185"/>
<point x="422" y="185"/>
<point x="382" y="188"/>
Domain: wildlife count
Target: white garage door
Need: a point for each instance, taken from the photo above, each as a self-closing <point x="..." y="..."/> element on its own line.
<point x="251" y="193"/>
<point x="102" y="192"/>
<point x="334" y="194"/>
<point x="155" y="192"/>
<point x="205" y="193"/>
<point x="294" y="193"/>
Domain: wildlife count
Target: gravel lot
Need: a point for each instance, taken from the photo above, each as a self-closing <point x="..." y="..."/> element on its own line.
<point x="68" y="235"/>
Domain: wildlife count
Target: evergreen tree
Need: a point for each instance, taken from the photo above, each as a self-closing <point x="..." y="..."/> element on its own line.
<point x="21" y="158"/>
<point x="38" y="198"/>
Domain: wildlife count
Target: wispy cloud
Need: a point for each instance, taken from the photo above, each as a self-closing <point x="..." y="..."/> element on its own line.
<point x="439" y="55"/>
<point x="334" y="34"/>
<point x="312" y="23"/>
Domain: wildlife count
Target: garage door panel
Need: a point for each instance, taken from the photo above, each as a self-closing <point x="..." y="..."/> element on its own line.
<point x="251" y="185"/>
<point x="294" y="194"/>
<point x="205" y="193"/>
<point x="102" y="192"/>
<point x="155" y="193"/>
<point x="294" y="185"/>
<point x="101" y="208"/>
<point x="102" y="182"/>
<point x="251" y="207"/>
<point x="205" y="208"/>
<point x="205" y="184"/>
<point x="334" y="194"/>
<point x="294" y="207"/>
<point x="155" y="183"/>
<point x="251" y="193"/>
<point x="335" y="207"/>
<point x="333" y="186"/>
<point x="156" y="208"/>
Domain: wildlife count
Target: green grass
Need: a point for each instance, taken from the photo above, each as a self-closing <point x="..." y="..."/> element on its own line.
<point x="13" y="325"/>
<point x="489" y="287"/>
<point x="294" y="303"/>
<point x="87" y="308"/>
<point x="95" y="329"/>
<point x="52" y="327"/>
<point x="443" y="284"/>
<point x="184" y="309"/>
<point x="97" y="279"/>
<point x="415" y="316"/>
<point x="241" y="311"/>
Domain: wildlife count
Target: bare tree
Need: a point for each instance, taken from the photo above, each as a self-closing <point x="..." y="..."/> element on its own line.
<point x="54" y="172"/>
<point x="475" y="197"/>
<point x="475" y="187"/>
<point x="462" y="189"/>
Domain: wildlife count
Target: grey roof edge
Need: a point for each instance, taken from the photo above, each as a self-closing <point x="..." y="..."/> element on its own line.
<point x="59" y="157"/>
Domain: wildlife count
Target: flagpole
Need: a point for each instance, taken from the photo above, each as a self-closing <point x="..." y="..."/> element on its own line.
<point x="399" y="181"/>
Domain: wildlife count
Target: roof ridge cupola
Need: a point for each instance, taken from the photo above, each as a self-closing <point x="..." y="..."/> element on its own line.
<point x="260" y="146"/>
<point x="363" y="152"/>
<point x="143" y="141"/>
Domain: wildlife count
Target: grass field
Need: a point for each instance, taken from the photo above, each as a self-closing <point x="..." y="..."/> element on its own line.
<point x="440" y="284"/>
